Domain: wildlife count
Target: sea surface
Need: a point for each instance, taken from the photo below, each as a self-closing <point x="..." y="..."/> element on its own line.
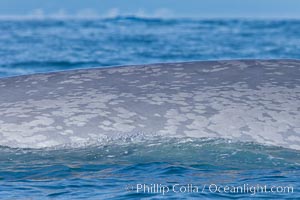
<point x="30" y="46"/>
<point x="151" y="168"/>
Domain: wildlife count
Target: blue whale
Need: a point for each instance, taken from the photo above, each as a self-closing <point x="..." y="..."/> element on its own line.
<point x="244" y="100"/>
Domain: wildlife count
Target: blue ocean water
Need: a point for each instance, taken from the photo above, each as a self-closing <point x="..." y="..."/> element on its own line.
<point x="137" y="168"/>
<point x="29" y="46"/>
<point x="116" y="169"/>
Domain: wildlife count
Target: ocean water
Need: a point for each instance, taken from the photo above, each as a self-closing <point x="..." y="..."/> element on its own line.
<point x="149" y="168"/>
<point x="119" y="170"/>
<point x="30" y="46"/>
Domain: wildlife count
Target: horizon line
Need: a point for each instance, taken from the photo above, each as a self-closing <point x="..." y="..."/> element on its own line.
<point x="82" y="17"/>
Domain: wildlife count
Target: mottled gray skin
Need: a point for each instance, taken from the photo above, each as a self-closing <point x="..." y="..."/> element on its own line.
<point x="254" y="100"/>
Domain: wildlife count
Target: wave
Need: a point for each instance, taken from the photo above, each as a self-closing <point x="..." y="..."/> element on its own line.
<point x="50" y="17"/>
<point x="214" y="153"/>
<point x="134" y="17"/>
<point x="108" y="168"/>
<point x="34" y="67"/>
